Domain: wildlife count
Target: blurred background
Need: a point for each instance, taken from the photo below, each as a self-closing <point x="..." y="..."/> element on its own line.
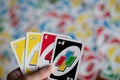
<point x="94" y="22"/>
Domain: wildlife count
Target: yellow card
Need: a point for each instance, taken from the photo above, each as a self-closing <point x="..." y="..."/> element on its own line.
<point x="18" y="47"/>
<point x="33" y="40"/>
<point x="114" y="56"/>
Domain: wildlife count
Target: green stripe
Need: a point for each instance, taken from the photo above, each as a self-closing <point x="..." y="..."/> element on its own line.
<point x="70" y="61"/>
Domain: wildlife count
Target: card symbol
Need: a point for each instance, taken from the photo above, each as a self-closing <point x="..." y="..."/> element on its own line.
<point x="62" y="43"/>
<point x="46" y="37"/>
<point x="33" y="38"/>
<point x="49" y="56"/>
<point x="33" y="61"/>
<point x="65" y="61"/>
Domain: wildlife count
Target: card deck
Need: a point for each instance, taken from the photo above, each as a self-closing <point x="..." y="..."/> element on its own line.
<point x="18" y="47"/>
<point x="32" y="47"/>
<point x="46" y="48"/>
<point x="66" y="59"/>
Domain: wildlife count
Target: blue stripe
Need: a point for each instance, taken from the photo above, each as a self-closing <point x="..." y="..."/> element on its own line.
<point x="68" y="54"/>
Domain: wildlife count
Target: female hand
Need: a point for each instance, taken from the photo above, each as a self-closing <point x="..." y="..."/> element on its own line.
<point x="42" y="74"/>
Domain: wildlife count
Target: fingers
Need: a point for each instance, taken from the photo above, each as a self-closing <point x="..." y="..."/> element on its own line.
<point x="41" y="74"/>
<point x="46" y="79"/>
<point x="14" y="74"/>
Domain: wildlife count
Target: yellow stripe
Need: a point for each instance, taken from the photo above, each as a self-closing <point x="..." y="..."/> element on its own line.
<point x="62" y="67"/>
<point x="34" y="58"/>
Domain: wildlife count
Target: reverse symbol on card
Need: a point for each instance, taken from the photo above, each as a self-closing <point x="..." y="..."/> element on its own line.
<point x="65" y="61"/>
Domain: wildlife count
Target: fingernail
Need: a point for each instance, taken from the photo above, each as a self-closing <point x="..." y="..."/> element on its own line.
<point x="49" y="67"/>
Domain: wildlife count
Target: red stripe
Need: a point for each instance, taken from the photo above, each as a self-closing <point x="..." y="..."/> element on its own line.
<point x="61" y="60"/>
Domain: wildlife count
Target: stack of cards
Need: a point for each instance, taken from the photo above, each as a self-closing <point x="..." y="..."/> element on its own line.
<point x="38" y="50"/>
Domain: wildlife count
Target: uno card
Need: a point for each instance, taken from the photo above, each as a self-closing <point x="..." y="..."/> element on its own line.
<point x="102" y="35"/>
<point x="46" y="48"/>
<point x="32" y="47"/>
<point x="107" y="72"/>
<point x="18" y="47"/>
<point x="113" y="52"/>
<point x="90" y="65"/>
<point x="66" y="59"/>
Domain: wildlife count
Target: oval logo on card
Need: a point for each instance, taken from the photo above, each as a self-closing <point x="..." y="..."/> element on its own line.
<point x="66" y="60"/>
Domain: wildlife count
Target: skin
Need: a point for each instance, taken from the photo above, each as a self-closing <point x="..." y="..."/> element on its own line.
<point x="42" y="74"/>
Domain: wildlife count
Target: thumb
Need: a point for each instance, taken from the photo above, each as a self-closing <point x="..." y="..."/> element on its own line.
<point x="41" y="74"/>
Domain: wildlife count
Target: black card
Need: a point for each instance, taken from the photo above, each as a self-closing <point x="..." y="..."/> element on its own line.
<point x="66" y="59"/>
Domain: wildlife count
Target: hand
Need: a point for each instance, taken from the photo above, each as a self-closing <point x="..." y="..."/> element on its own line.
<point x="42" y="74"/>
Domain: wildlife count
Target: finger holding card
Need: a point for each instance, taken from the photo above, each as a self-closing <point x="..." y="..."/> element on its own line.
<point x="18" y="47"/>
<point x="66" y="59"/>
<point x="32" y="47"/>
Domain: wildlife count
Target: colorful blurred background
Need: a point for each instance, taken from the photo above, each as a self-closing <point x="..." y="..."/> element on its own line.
<point x="94" y="22"/>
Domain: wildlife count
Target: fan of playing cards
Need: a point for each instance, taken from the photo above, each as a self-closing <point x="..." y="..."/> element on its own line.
<point x="37" y="50"/>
